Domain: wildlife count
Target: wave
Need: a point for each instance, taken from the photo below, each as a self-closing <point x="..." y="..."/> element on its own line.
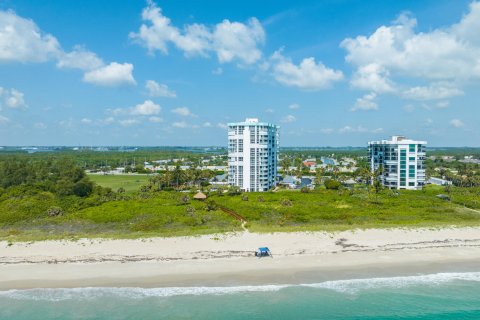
<point x="344" y="286"/>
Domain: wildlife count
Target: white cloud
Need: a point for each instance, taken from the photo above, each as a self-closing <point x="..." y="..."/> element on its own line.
<point x="129" y="122"/>
<point x="222" y="125"/>
<point x="155" y="119"/>
<point x="12" y="98"/>
<point x="235" y="40"/>
<point x="308" y="75"/>
<point x="326" y="130"/>
<point x="443" y="104"/>
<point x="159" y="90"/>
<point x="349" y="129"/>
<point x="294" y="106"/>
<point x="184" y="112"/>
<point x="147" y="108"/>
<point x="397" y="50"/>
<point x="373" y="77"/>
<point x="359" y="129"/>
<point x="40" y="126"/>
<point x="288" y="119"/>
<point x="79" y="58"/>
<point x="180" y="124"/>
<point x="409" y="108"/>
<point x="367" y="102"/>
<point x="4" y="120"/>
<point x="86" y="121"/>
<point x="269" y="110"/>
<point x="228" y="40"/>
<point x="457" y="123"/>
<point x="436" y="91"/>
<point x="207" y="124"/>
<point x="218" y="71"/>
<point x="114" y="74"/>
<point x="21" y="40"/>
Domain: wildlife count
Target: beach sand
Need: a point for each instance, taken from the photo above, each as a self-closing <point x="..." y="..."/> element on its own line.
<point x="228" y="259"/>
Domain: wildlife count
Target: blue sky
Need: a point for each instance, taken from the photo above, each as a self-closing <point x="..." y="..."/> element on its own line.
<point x="330" y="73"/>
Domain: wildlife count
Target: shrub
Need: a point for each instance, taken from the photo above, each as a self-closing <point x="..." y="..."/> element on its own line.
<point x="211" y="205"/>
<point x="54" y="212"/>
<point x="185" y="199"/>
<point x="332" y="184"/>
<point x="245" y="197"/>
<point x="286" y="203"/>
<point x="304" y="190"/>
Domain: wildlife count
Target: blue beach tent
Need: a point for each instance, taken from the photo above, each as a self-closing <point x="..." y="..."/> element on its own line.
<point x="263" y="252"/>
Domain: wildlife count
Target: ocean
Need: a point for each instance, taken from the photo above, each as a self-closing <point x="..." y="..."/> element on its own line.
<point x="433" y="296"/>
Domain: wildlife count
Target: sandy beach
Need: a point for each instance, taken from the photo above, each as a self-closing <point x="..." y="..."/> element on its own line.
<point x="228" y="259"/>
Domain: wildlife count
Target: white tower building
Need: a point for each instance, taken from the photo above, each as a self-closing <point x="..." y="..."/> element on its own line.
<point x="402" y="161"/>
<point x="252" y="155"/>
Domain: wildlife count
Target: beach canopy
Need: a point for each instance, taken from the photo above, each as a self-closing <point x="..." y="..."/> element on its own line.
<point x="200" y="196"/>
<point x="263" y="252"/>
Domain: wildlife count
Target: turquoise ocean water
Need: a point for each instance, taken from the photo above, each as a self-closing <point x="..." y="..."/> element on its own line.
<point x="434" y="296"/>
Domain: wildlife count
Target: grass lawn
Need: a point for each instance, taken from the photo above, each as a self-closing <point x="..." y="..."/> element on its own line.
<point x="127" y="182"/>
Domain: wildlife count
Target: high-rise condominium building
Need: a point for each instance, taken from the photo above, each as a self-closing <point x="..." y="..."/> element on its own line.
<point x="402" y="161"/>
<point x="252" y="155"/>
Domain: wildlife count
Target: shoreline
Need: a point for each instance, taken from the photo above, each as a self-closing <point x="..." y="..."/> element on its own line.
<point x="228" y="260"/>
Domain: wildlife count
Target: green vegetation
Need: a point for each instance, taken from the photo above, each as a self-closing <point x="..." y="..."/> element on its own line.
<point x="324" y="209"/>
<point x="115" y="182"/>
<point x="52" y="198"/>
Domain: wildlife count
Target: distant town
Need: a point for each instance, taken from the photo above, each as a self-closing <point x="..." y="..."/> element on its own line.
<point x="254" y="161"/>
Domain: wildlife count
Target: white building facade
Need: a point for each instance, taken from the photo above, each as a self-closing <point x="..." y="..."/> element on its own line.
<point x="402" y="161"/>
<point x="252" y="155"/>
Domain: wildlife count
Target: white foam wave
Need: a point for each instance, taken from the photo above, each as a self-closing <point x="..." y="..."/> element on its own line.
<point x="344" y="286"/>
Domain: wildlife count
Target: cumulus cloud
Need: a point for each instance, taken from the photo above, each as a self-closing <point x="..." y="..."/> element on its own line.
<point x="4" y="120"/>
<point x="457" y="123"/>
<point x="12" y="98"/>
<point x="367" y="102"/>
<point x="184" y="112"/>
<point x="79" y="58"/>
<point x="326" y="130"/>
<point x="129" y="122"/>
<point x="294" y="106"/>
<point x="86" y="121"/>
<point x="21" y="40"/>
<point x="155" y="119"/>
<point x="359" y="129"/>
<point x="218" y="71"/>
<point x="442" y="55"/>
<point x="147" y="108"/>
<point x="40" y="126"/>
<point x="222" y="125"/>
<point x="435" y="91"/>
<point x="114" y="74"/>
<point x="156" y="89"/>
<point x="288" y="119"/>
<point x="308" y="75"/>
<point x="373" y="77"/>
<point x="180" y="124"/>
<point x="230" y="41"/>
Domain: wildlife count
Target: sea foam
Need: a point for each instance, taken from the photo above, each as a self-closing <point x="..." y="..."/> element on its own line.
<point x="351" y="286"/>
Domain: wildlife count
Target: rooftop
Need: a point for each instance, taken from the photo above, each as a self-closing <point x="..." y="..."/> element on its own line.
<point x="398" y="140"/>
